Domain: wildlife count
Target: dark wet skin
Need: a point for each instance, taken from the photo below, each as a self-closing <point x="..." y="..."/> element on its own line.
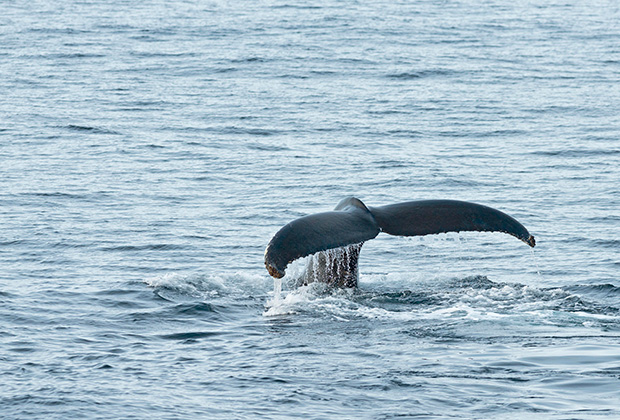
<point x="353" y="223"/>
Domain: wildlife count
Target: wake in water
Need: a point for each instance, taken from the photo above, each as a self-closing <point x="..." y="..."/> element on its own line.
<point x="468" y="303"/>
<point x="457" y="300"/>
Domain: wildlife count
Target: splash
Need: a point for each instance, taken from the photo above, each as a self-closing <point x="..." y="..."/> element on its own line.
<point x="312" y="298"/>
<point x="333" y="267"/>
<point x="277" y="292"/>
<point x="188" y="284"/>
<point x="207" y="285"/>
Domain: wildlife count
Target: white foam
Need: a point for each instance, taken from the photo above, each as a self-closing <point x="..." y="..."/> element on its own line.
<point x="189" y="284"/>
<point x="291" y="303"/>
<point x="208" y="285"/>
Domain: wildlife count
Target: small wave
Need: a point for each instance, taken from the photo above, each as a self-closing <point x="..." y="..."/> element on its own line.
<point x="607" y="243"/>
<point x="11" y="242"/>
<point x="173" y="286"/>
<point x="68" y="31"/>
<point x="296" y="6"/>
<point x="189" y="335"/>
<point x="192" y="285"/>
<point x="607" y="218"/>
<point x="267" y="147"/>
<point x="69" y="244"/>
<point x="147" y="247"/>
<point x="253" y="131"/>
<point x="473" y="282"/>
<point x="145" y="54"/>
<point x="502" y="133"/>
<point x="75" y="55"/>
<point x="402" y="299"/>
<point x="259" y="132"/>
<point x="604" y="290"/>
<point x="389" y="164"/>
<point x="195" y="308"/>
<point x="249" y="60"/>
<point x="323" y="72"/>
<point x="399" y="132"/>
<point x="56" y="195"/>
<point x="88" y="129"/>
<point x="225" y="70"/>
<point x="577" y="153"/>
<point x="419" y="74"/>
<point x="293" y="76"/>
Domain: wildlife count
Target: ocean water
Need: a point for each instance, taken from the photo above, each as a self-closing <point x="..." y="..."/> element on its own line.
<point x="150" y="150"/>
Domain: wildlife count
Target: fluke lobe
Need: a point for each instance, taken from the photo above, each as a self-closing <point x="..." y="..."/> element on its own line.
<point x="352" y="223"/>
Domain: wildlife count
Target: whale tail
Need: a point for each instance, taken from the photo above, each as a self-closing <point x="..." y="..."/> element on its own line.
<point x="428" y="217"/>
<point x="352" y="223"/>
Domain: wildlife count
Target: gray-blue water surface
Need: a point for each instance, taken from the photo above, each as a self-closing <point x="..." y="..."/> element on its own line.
<point x="149" y="151"/>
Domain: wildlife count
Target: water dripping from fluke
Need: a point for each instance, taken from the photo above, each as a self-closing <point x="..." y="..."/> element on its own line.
<point x="332" y="268"/>
<point x="336" y="266"/>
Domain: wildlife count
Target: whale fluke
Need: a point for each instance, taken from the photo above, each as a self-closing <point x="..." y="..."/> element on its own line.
<point x="427" y="217"/>
<point x="352" y="223"/>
